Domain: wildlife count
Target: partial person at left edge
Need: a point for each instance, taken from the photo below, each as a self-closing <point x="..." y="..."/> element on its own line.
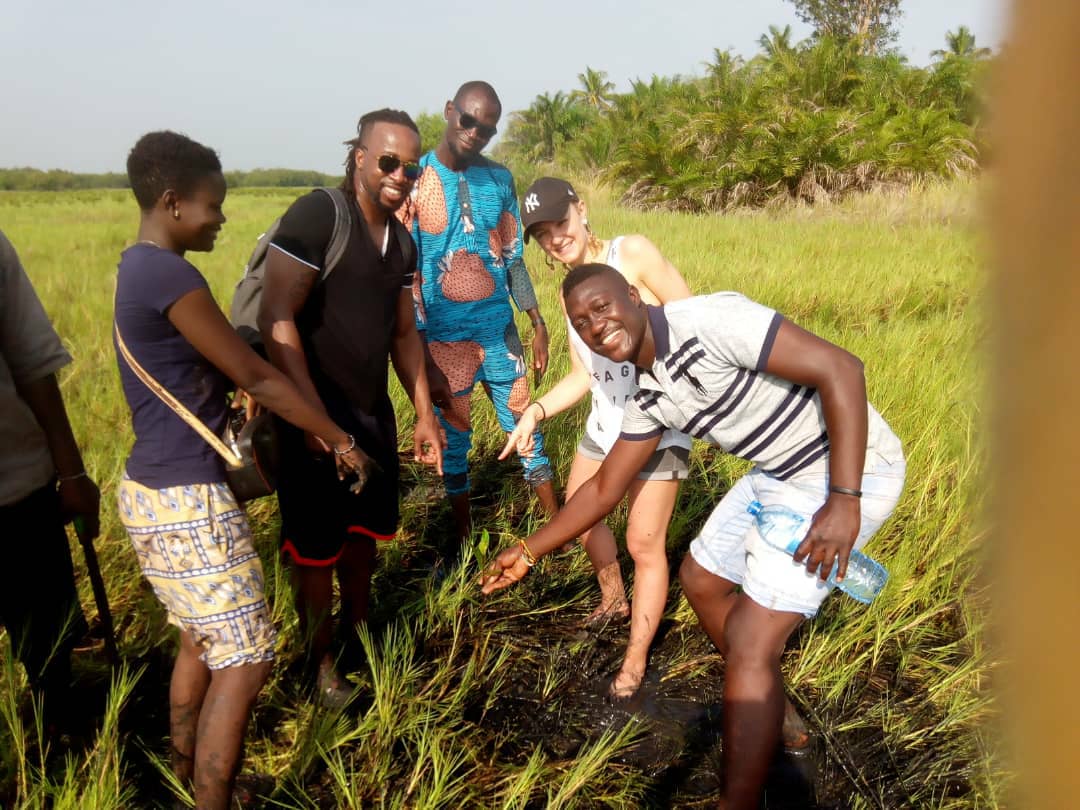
<point x="43" y="486"/>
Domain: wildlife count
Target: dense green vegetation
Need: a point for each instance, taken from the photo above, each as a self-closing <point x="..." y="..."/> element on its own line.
<point x="459" y="688"/>
<point x="806" y="121"/>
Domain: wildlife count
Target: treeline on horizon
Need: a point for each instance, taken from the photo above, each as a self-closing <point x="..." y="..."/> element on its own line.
<point x="26" y="179"/>
<point x="806" y="121"/>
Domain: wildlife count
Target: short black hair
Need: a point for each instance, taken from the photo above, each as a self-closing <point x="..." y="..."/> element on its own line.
<point x="364" y="126"/>
<point x="477" y="87"/>
<point x="582" y="273"/>
<point x="165" y="159"/>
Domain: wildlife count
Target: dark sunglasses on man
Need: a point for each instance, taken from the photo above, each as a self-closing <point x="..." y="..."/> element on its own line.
<point x="485" y="131"/>
<point x="388" y="164"/>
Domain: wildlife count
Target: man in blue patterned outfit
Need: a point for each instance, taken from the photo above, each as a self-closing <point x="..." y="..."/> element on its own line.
<point x="465" y="223"/>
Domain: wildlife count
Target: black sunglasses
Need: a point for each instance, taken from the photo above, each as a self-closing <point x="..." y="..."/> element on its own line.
<point x="388" y="164"/>
<point x="467" y="121"/>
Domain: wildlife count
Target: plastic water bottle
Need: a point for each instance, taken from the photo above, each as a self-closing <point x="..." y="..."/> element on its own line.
<point x="785" y="529"/>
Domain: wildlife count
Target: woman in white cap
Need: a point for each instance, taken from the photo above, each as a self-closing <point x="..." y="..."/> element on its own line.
<point x="554" y="215"/>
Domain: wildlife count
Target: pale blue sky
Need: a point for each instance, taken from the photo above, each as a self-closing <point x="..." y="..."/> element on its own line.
<point x="282" y="84"/>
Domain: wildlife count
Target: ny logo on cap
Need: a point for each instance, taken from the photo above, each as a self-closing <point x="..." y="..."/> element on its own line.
<point x="532" y="202"/>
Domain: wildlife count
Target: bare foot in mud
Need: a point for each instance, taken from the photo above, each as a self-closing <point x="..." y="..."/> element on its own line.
<point x="794" y="734"/>
<point x="333" y="690"/>
<point x="625" y="684"/>
<point x="614" y="613"/>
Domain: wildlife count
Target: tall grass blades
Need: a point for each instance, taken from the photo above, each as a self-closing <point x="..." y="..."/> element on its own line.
<point x="464" y="701"/>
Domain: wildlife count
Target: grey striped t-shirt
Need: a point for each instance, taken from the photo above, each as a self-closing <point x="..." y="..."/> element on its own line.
<point x="708" y="380"/>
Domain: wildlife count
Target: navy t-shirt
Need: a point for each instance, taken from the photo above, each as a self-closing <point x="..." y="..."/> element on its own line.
<point x="167" y="452"/>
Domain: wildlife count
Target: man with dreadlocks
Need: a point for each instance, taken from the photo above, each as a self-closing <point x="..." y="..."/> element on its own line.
<point x="332" y="338"/>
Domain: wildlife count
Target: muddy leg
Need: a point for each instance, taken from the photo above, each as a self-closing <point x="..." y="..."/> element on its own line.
<point x="712" y="599"/>
<point x="600" y="545"/>
<point x="753" y="697"/>
<point x="545" y="493"/>
<point x="651" y="504"/>
<point x="354" y="571"/>
<point x="222" y="723"/>
<point x="187" y="690"/>
<point x="314" y="594"/>
<point x="459" y="504"/>
<point x="613" y="602"/>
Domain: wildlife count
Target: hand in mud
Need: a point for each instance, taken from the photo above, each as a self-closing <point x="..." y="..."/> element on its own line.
<point x="625" y="684"/>
<point x="358" y="462"/>
<point x="831" y="537"/>
<point x="506" y="569"/>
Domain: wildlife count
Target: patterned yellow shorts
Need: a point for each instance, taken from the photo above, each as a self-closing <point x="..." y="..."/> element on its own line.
<point x="195" y="548"/>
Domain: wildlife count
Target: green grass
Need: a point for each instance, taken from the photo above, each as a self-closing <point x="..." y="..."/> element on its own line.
<point x="901" y="690"/>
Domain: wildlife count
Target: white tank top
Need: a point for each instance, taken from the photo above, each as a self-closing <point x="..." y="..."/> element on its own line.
<point x="612" y="384"/>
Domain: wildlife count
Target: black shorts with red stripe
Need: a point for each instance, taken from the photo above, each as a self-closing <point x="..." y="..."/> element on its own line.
<point x="319" y="514"/>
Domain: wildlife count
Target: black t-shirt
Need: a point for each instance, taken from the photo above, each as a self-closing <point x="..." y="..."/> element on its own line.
<point x="348" y="321"/>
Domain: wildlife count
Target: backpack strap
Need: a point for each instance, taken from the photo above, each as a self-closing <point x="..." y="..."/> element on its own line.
<point x="339" y="236"/>
<point x="262" y="245"/>
<point x="335" y="248"/>
<point x="405" y="243"/>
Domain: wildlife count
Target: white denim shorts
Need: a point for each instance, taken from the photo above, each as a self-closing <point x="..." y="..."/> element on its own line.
<point x="729" y="545"/>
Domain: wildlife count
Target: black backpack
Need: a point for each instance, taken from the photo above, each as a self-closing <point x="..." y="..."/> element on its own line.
<point x="244" y="312"/>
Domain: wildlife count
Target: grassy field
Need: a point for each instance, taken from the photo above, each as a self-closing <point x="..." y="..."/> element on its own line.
<point x="482" y="702"/>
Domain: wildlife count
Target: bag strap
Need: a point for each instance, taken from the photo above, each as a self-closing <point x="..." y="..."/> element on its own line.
<point x="405" y="241"/>
<point x="335" y="248"/>
<point x="339" y="236"/>
<point x="196" y="424"/>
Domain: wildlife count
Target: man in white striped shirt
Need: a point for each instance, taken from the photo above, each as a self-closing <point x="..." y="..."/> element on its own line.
<point x="740" y="376"/>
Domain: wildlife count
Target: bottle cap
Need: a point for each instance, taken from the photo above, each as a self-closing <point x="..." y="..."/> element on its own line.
<point x="754" y="507"/>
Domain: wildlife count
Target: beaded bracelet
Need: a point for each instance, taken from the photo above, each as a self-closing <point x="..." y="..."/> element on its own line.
<point x="857" y="493"/>
<point x="352" y="444"/>
<point x="538" y="323"/>
<point x="530" y="559"/>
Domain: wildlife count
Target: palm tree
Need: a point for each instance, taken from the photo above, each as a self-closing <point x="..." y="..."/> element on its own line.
<point x="595" y="89"/>
<point x="549" y="122"/>
<point x="961" y="43"/>
<point x="776" y="42"/>
<point x="724" y="64"/>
